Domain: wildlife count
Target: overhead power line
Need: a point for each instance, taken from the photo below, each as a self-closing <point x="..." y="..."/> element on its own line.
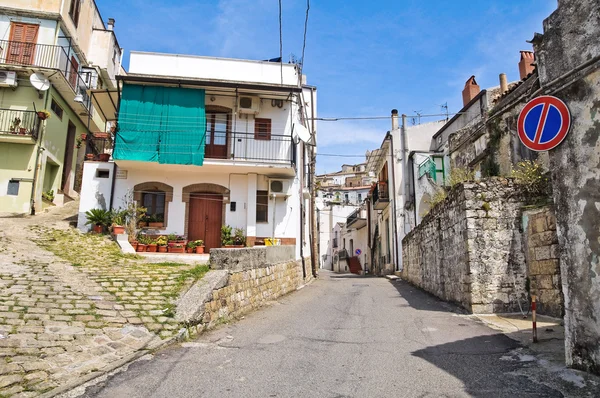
<point x="305" y="29"/>
<point x="280" y="41"/>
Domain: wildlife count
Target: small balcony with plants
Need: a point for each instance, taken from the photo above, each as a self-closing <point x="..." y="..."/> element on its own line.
<point x="19" y="127"/>
<point x="381" y="196"/>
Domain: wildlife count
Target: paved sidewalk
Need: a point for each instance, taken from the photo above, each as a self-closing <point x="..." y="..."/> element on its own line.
<point x="72" y="304"/>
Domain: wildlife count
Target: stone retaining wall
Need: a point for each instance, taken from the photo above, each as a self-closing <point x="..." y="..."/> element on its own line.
<point x="251" y="289"/>
<point x="469" y="248"/>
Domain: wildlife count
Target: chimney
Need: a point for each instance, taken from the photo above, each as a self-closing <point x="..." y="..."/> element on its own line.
<point x="395" y="125"/>
<point x="470" y="91"/>
<point x="503" y="83"/>
<point x="526" y="63"/>
<point x="111" y="24"/>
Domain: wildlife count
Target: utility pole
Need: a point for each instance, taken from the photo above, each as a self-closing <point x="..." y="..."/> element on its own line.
<point x="315" y="255"/>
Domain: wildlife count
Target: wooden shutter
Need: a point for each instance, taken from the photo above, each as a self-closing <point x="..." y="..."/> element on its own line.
<point x="262" y="129"/>
<point x="22" y="42"/>
<point x="73" y="72"/>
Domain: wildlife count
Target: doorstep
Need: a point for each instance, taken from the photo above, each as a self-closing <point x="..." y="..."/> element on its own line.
<point x="186" y="258"/>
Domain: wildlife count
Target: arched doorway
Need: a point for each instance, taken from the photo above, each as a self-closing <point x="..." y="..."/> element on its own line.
<point x="205" y="213"/>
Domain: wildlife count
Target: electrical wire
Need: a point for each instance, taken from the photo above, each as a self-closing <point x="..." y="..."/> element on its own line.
<point x="305" y="29"/>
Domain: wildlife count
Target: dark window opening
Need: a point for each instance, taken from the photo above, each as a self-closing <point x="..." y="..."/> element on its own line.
<point x="74" y="10"/>
<point x="58" y="111"/>
<point x="13" y="188"/>
<point x="102" y="173"/>
<point x="262" y="206"/>
<point x="154" y="202"/>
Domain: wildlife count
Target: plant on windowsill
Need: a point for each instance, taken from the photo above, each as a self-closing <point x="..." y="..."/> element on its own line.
<point x="156" y="221"/>
<point x="98" y="218"/>
<point x="161" y="241"/>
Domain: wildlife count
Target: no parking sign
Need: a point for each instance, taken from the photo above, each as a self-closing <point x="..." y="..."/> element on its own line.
<point x="543" y="123"/>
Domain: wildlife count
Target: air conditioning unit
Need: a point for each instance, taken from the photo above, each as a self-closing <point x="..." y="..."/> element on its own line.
<point x="8" y="78"/>
<point x="248" y="105"/>
<point x="279" y="187"/>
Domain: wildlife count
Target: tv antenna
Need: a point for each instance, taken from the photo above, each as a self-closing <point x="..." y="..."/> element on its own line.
<point x="418" y="118"/>
<point x="444" y="107"/>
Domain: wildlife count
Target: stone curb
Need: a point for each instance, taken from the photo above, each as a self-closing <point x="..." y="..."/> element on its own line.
<point x="181" y="335"/>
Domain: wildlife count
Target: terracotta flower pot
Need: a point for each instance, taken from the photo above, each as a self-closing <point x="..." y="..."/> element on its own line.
<point x="162" y="249"/>
<point x="155" y="224"/>
<point x="89" y="156"/>
<point x="97" y="229"/>
<point x="118" y="229"/>
<point x="103" y="157"/>
<point x="199" y="249"/>
<point x="151" y="248"/>
<point x="42" y="115"/>
<point x="141" y="248"/>
<point x="174" y="249"/>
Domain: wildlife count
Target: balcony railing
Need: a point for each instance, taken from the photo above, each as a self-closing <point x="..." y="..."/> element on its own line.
<point x="98" y="146"/>
<point x="44" y="56"/>
<point x="355" y="215"/>
<point x="381" y="195"/>
<point x="245" y="146"/>
<point x="15" y="122"/>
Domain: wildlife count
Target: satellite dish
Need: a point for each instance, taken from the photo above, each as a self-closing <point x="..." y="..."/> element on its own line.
<point x="301" y="132"/>
<point x="39" y="81"/>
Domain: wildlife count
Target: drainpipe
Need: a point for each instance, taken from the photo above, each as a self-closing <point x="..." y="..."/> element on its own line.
<point x="313" y="226"/>
<point x="301" y="183"/>
<point x="394" y="209"/>
<point x="37" y="157"/>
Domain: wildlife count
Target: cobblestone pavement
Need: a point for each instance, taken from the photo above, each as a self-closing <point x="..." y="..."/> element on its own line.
<point x="72" y="303"/>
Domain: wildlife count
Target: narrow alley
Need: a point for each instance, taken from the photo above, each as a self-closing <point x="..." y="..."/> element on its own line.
<point x="348" y="336"/>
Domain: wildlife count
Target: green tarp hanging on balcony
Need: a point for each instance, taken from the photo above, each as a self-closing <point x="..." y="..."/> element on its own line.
<point x="161" y="124"/>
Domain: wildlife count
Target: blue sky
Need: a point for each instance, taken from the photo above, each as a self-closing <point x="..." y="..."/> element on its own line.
<point x="365" y="57"/>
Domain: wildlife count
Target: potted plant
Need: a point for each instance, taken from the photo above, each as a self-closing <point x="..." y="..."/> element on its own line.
<point x="239" y="237"/>
<point x="22" y="131"/>
<point x="181" y="239"/>
<point x="176" y="248"/>
<point x="142" y="244"/>
<point x="161" y="241"/>
<point x="104" y="157"/>
<point x="133" y="242"/>
<point x="119" y="219"/>
<point x="199" y="246"/>
<point x="156" y="221"/>
<point x="43" y="114"/>
<point x="191" y="247"/>
<point x="151" y="246"/>
<point x="98" y="218"/>
<point x="171" y="239"/>
<point x="14" y="127"/>
<point x="90" y="156"/>
<point x="144" y="221"/>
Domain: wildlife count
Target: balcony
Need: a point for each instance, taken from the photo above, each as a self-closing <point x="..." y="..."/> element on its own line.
<point x="381" y="196"/>
<point x="357" y="219"/>
<point x="45" y="56"/>
<point x="19" y="127"/>
<point x="98" y="147"/>
<point x="221" y="150"/>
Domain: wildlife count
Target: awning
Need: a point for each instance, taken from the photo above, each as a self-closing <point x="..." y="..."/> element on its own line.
<point x="106" y="102"/>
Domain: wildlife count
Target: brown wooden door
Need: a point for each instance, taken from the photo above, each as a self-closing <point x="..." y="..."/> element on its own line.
<point x="205" y="219"/>
<point x="68" y="159"/>
<point x="22" y="41"/>
<point x="217" y="135"/>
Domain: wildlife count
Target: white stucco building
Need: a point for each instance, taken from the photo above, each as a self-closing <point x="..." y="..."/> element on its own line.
<point x="204" y="142"/>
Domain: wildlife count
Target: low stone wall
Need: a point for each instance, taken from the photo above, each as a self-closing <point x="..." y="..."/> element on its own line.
<point x="469" y="248"/>
<point x="543" y="260"/>
<point x="251" y="289"/>
<point x="254" y="276"/>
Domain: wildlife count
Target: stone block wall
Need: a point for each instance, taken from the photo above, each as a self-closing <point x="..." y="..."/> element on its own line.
<point x="251" y="288"/>
<point x="543" y="264"/>
<point x="469" y="248"/>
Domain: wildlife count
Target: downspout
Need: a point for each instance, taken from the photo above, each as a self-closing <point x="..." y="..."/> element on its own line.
<point x="405" y="166"/>
<point x="37" y="158"/>
<point x="301" y="184"/>
<point x="114" y="176"/>
<point x="313" y="159"/>
<point x="389" y="137"/>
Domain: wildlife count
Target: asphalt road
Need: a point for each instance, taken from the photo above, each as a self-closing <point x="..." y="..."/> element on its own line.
<point x="345" y="336"/>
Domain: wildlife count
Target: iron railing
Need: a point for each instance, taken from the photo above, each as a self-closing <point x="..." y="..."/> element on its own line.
<point x="381" y="192"/>
<point x="355" y="215"/>
<point x="97" y="146"/>
<point x="19" y="122"/>
<point x="246" y="146"/>
<point x="45" y="56"/>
